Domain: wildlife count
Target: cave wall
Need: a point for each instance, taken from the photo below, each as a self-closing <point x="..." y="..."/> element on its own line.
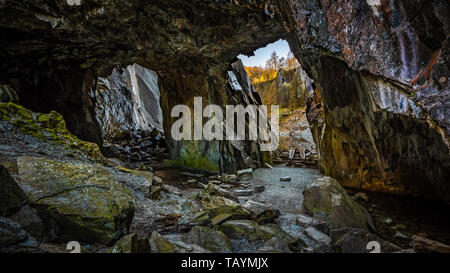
<point x="380" y="113"/>
<point x="380" y="67"/>
<point x="218" y="88"/>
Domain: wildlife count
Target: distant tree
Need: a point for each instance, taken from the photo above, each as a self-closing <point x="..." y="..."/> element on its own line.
<point x="273" y="63"/>
<point x="283" y="63"/>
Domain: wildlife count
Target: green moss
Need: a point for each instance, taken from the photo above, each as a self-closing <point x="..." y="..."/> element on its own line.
<point x="47" y="127"/>
<point x="190" y="156"/>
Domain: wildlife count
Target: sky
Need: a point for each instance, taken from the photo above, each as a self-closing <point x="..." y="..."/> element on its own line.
<point x="263" y="54"/>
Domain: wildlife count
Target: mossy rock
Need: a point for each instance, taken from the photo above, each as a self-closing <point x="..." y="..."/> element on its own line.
<point x="83" y="200"/>
<point x="159" y="244"/>
<point x="326" y="199"/>
<point x="212" y="240"/>
<point x="131" y="244"/>
<point x="49" y="127"/>
<point x="252" y="231"/>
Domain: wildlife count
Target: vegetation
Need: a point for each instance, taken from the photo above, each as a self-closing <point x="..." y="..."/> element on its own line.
<point x="279" y="83"/>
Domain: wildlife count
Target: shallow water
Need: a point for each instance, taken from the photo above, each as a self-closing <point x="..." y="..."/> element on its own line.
<point x="285" y="196"/>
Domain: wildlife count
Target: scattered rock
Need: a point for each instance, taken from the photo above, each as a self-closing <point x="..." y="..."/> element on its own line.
<point x="171" y="189"/>
<point x="219" y="219"/>
<point x="217" y="205"/>
<point x="159" y="244"/>
<point x="259" y="188"/>
<point x="209" y="239"/>
<point x="427" y="245"/>
<point x="361" y="196"/>
<point x="131" y="244"/>
<point x="252" y="231"/>
<point x="181" y="247"/>
<point x="155" y="193"/>
<point x="246" y="174"/>
<point x="157" y="180"/>
<point x="267" y="216"/>
<point x="242" y="192"/>
<point x="319" y="237"/>
<point x="285" y="178"/>
<point x="398" y="234"/>
<point x="275" y="245"/>
<point x="238" y="229"/>
<point x="356" y="241"/>
<point x="256" y="207"/>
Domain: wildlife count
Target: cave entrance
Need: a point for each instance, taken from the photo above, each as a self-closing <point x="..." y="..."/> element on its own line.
<point x="128" y="109"/>
<point x="278" y="77"/>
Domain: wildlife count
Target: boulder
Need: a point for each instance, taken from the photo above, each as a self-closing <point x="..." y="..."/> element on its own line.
<point x="181" y="247"/>
<point x="212" y="240"/>
<point x="357" y="241"/>
<point x="252" y="231"/>
<point x="159" y="244"/>
<point x="285" y="178"/>
<point x="217" y="205"/>
<point x="246" y="174"/>
<point x="12" y="196"/>
<point x="131" y="244"/>
<point x="171" y="189"/>
<point x="316" y="235"/>
<point x="327" y="200"/>
<point x="275" y="245"/>
<point x="82" y="200"/>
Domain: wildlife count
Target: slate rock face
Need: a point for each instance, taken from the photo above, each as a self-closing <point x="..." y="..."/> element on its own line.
<point x="127" y="101"/>
<point x="80" y="201"/>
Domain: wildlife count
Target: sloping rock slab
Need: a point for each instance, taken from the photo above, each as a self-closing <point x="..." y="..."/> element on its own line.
<point x="326" y="199"/>
<point x="82" y="200"/>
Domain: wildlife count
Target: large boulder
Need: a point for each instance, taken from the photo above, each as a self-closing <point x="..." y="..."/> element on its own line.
<point x="80" y="201"/>
<point x="12" y="196"/>
<point x="212" y="240"/>
<point x="327" y="200"/>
